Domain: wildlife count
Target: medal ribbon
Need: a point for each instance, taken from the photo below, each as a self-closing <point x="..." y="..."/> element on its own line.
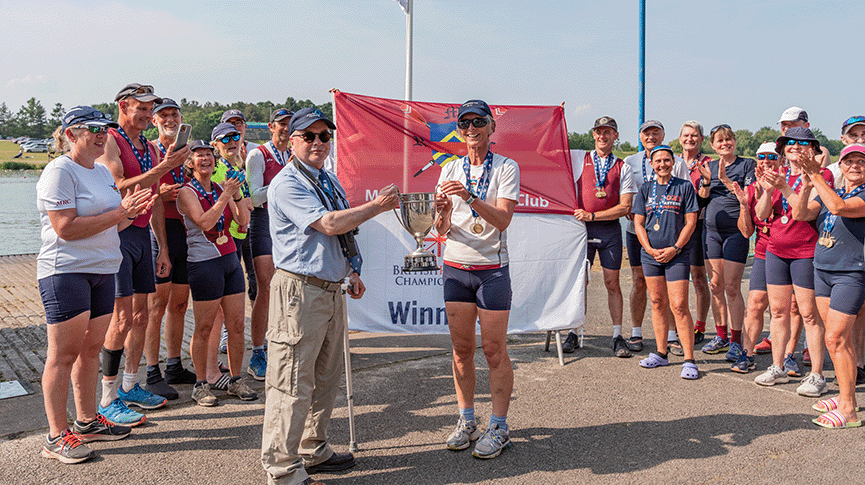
<point x="143" y="161"/>
<point x="356" y="262"/>
<point x="602" y="168"/>
<point x="176" y="172"/>
<point x="651" y="175"/>
<point x="220" y="224"/>
<point x="276" y="154"/>
<point x="829" y="221"/>
<point x="784" y="203"/>
<point x="483" y="181"/>
<point x="656" y="203"/>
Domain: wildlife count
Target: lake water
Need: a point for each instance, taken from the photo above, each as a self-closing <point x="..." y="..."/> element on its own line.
<point x="19" y="219"/>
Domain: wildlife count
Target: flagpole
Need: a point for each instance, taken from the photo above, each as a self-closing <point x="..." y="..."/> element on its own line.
<point x="642" y="67"/>
<point x="408" y="55"/>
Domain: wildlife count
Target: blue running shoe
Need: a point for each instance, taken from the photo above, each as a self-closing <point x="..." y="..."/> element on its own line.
<point x="744" y="365"/>
<point x="119" y="415"/>
<point x="716" y="346"/>
<point x="791" y="367"/>
<point x="141" y="398"/>
<point x="258" y="365"/>
<point x="734" y="352"/>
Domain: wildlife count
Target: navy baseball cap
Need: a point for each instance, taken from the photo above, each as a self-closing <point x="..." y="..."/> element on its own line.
<point x="307" y="116"/>
<point x="232" y="113"/>
<point x="141" y="92"/>
<point x="797" y="133"/>
<point x="221" y="130"/>
<point x="199" y="144"/>
<point x="651" y="124"/>
<point x="280" y="114"/>
<point x="166" y="103"/>
<point x="662" y="148"/>
<point x="476" y="106"/>
<point x="88" y="116"/>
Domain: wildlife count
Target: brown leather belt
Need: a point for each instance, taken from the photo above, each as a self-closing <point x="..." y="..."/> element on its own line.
<point x="325" y="285"/>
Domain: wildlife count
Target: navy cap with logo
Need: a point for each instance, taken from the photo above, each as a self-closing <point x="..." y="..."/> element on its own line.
<point x="232" y="113"/>
<point x="199" y="144"/>
<point x="221" y="130"/>
<point x="165" y="103"/>
<point x="307" y="116"/>
<point x="476" y="106"/>
<point x="651" y="124"/>
<point x="662" y="148"/>
<point x="799" y="133"/>
<point x="88" y="116"/>
<point x="280" y="114"/>
<point x="141" y="92"/>
<point x="606" y="121"/>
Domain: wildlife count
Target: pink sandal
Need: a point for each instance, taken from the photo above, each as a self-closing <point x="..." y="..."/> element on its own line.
<point x="827" y="405"/>
<point x="835" y="420"/>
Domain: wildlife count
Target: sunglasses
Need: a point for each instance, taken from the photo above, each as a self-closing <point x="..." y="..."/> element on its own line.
<point x="476" y="122"/>
<point x="853" y="119"/>
<point x="93" y="129"/>
<point x="765" y="156"/>
<point x="800" y="142"/>
<point x="228" y="138"/>
<point x="713" y="130"/>
<point x="309" y="136"/>
<point x="143" y="90"/>
<point x="237" y="122"/>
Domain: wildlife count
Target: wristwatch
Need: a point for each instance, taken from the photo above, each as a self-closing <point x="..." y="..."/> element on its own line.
<point x="677" y="248"/>
<point x="471" y="199"/>
<point x="704" y="184"/>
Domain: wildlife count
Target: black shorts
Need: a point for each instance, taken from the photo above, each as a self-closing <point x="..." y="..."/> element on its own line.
<point x="789" y="271"/>
<point x="215" y="278"/>
<point x="490" y="289"/>
<point x="729" y="246"/>
<point x="609" y="248"/>
<point x="634" y="247"/>
<point x="68" y="295"/>
<point x="758" y="275"/>
<point x="845" y="289"/>
<point x="696" y="243"/>
<point x="175" y="232"/>
<point x="135" y="275"/>
<point x="259" y="233"/>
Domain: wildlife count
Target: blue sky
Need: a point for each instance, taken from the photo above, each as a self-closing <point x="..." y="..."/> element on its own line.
<point x="736" y="62"/>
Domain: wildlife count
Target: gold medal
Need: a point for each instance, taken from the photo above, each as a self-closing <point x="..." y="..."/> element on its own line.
<point x="600" y="194"/>
<point x="656" y="227"/>
<point x="821" y="241"/>
<point x="222" y="239"/>
<point x="830" y="241"/>
<point x="477" y="228"/>
<point x="785" y="219"/>
<point x="765" y="229"/>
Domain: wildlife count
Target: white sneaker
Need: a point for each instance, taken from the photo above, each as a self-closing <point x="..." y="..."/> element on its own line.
<point x="463" y="434"/>
<point x="773" y="375"/>
<point x="812" y="386"/>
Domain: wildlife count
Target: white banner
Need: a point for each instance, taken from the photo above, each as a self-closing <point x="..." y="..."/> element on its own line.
<point x="547" y="269"/>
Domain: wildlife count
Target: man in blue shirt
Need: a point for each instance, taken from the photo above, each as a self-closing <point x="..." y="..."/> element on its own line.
<point x="312" y="227"/>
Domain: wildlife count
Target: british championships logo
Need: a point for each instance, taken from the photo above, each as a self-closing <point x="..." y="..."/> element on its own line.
<point x="434" y="243"/>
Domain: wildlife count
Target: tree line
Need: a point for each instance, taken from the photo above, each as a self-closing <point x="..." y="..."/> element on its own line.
<point x="33" y="120"/>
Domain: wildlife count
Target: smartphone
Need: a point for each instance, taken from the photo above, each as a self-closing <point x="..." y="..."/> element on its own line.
<point x="182" y="136"/>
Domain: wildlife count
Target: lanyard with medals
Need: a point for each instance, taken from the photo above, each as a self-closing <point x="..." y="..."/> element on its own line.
<point x="657" y="204"/>
<point x="651" y="175"/>
<point x="482" y="185"/>
<point x="826" y="238"/>
<point x="176" y="172"/>
<point x="276" y="154"/>
<point x="784" y="203"/>
<point x="220" y="224"/>
<point x="602" y="168"/>
<point x="143" y="161"/>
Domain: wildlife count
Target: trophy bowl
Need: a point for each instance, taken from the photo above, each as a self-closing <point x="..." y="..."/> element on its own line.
<point x="417" y="215"/>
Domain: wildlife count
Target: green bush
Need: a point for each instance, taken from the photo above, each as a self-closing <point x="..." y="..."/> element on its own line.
<point x="21" y="166"/>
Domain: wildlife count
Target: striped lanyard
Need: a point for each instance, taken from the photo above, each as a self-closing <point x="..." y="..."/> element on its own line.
<point x="176" y="172"/>
<point x="143" y="161"/>
<point x="651" y="176"/>
<point x="784" y="204"/>
<point x="602" y="168"/>
<point x="829" y="221"/>
<point x="657" y="204"/>
<point x="220" y="224"/>
<point x="483" y="182"/>
<point x="276" y="154"/>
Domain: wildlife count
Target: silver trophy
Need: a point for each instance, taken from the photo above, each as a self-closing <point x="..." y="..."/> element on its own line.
<point x="417" y="214"/>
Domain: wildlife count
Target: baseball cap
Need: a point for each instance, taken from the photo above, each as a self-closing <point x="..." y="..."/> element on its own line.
<point x="221" y="130"/>
<point x="232" y="113"/>
<point x="851" y="122"/>
<point x="198" y="144"/>
<point x="280" y="114"/>
<point x="606" y="121"/>
<point x="794" y="113"/>
<point x="307" y="116"/>
<point x="88" y="116"/>
<point x="797" y="133"/>
<point x="165" y="103"/>
<point x="662" y="148"/>
<point x="141" y="92"/>
<point x="651" y="124"/>
<point x="854" y="148"/>
<point x="476" y="106"/>
<point x="767" y="147"/>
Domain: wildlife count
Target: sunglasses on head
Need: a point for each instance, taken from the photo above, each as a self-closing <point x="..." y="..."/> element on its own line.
<point x="94" y="129"/>
<point x="309" y="136"/>
<point x="765" y="156"/>
<point x="853" y="119"/>
<point x="713" y="130"/>
<point x="800" y="142"/>
<point x="476" y="122"/>
<point x="228" y="138"/>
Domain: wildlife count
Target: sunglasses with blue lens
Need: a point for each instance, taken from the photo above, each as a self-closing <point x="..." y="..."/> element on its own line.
<point x="228" y="138"/>
<point x="853" y="119"/>
<point x="801" y="142"/>
<point x="765" y="156"/>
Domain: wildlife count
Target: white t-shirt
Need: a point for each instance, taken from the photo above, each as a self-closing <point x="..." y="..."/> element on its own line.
<point x="640" y="166"/>
<point x="626" y="179"/>
<point x="490" y="246"/>
<point x="65" y="184"/>
<point x="255" y="167"/>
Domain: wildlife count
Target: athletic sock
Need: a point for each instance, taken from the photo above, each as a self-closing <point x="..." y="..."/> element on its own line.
<point x="468" y="414"/>
<point x="662" y="355"/>
<point x="700" y="326"/>
<point x="617" y="330"/>
<point x="502" y="421"/>
<point x="258" y="347"/>
<point x="129" y="381"/>
<point x="691" y="361"/>
<point x="109" y="392"/>
<point x="637" y="332"/>
<point x="721" y="331"/>
<point x="234" y="379"/>
<point x="172" y="361"/>
<point x="672" y="336"/>
<point x="736" y="336"/>
<point x="153" y="368"/>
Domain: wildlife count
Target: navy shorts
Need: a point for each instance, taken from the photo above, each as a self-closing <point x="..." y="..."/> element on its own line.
<point x="634" y="249"/>
<point x="758" y="275"/>
<point x="729" y="246"/>
<point x="845" y="289"/>
<point x="696" y="243"/>
<point x="490" y="289"/>
<point x="259" y="233"/>
<point x="70" y="294"/>
<point x="789" y="271"/>
<point x="215" y="278"/>
<point x="175" y="232"/>
<point x="676" y="269"/>
<point x="136" y="270"/>
<point x="244" y="255"/>
<point x="609" y="248"/>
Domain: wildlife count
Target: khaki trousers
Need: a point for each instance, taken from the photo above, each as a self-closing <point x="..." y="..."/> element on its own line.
<point x="304" y="367"/>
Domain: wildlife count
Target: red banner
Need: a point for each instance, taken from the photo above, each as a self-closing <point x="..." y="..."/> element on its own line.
<point x="383" y="141"/>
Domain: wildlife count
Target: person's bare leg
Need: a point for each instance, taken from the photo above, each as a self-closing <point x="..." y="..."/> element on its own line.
<point x="85" y="371"/>
<point x="779" y="325"/>
<point x="614" y="295"/>
<point x="156" y="304"/>
<point x="461" y="323"/>
<point x="638" y="297"/>
<point x="677" y="292"/>
<point x="657" y="289"/>
<point x="814" y="330"/>
<point x="65" y="342"/>
<point x="494" y="329"/>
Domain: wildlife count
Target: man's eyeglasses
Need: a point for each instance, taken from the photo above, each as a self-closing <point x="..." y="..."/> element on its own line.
<point x="228" y="138"/>
<point x="309" y="136"/>
<point x="476" y="122"/>
<point x="94" y="129"/>
<point x="767" y="156"/>
<point x="800" y="142"/>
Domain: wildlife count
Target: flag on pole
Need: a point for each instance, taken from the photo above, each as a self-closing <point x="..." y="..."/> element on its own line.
<point x="372" y="152"/>
<point x="403" y="4"/>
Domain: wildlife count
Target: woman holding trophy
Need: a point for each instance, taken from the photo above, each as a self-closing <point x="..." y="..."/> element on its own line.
<point x="476" y="199"/>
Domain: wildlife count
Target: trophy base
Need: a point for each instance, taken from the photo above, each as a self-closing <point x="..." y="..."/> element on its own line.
<point x="426" y="262"/>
